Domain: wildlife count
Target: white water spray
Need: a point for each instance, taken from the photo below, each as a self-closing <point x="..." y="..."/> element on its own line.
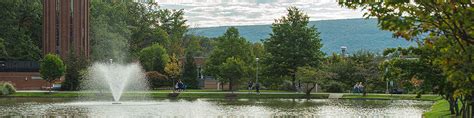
<point x="118" y="78"/>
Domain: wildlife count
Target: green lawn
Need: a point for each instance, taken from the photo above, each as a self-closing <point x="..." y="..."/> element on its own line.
<point x="164" y="94"/>
<point x="214" y="90"/>
<point x="392" y="97"/>
<point x="439" y="109"/>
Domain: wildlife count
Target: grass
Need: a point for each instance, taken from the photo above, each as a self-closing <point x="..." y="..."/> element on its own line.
<point x="214" y="90"/>
<point x="439" y="109"/>
<point x="392" y="97"/>
<point x="164" y="94"/>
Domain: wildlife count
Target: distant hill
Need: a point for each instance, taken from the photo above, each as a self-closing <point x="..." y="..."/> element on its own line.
<point x="356" y="34"/>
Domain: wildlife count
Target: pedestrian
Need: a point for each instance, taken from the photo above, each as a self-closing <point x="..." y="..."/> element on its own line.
<point x="180" y="86"/>
<point x="257" y="87"/>
<point x="361" y="87"/>
<point x="176" y="87"/>
<point x="250" y="84"/>
<point x="355" y="89"/>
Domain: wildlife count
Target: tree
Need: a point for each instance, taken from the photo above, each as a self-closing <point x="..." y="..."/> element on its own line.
<point x="51" y="68"/>
<point x="190" y="74"/>
<point x="173" y="68"/>
<point x="445" y="27"/>
<point x="76" y="65"/>
<point x="312" y="77"/>
<point x="20" y="29"/>
<point x="292" y="44"/>
<point x="173" y="22"/>
<point x="154" y="58"/>
<point x="110" y="31"/>
<point x="231" y="44"/>
<point x="3" y="51"/>
<point x="234" y="69"/>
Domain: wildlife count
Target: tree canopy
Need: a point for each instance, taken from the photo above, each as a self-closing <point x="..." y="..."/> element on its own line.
<point x="292" y="44"/>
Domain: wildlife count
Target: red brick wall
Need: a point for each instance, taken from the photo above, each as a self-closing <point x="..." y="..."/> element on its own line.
<point x="23" y="80"/>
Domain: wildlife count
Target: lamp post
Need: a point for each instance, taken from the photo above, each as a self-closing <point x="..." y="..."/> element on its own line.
<point x="256" y="74"/>
<point x="386" y="79"/>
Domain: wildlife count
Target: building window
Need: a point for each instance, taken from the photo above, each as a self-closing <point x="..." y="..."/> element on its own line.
<point x="36" y="78"/>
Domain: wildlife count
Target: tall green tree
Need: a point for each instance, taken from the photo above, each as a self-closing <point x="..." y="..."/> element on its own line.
<point x="190" y="74"/>
<point x="21" y="28"/>
<point x="51" y="68"/>
<point x="442" y="26"/>
<point x="109" y="31"/>
<point x="173" y="22"/>
<point x="234" y="70"/>
<point x="154" y="58"/>
<point x="74" y="73"/>
<point x="292" y="44"/>
<point x="230" y="45"/>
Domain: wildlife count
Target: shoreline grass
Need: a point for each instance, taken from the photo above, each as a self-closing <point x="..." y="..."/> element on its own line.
<point x="440" y="109"/>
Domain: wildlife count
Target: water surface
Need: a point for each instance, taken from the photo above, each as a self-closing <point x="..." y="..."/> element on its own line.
<point x="14" y="107"/>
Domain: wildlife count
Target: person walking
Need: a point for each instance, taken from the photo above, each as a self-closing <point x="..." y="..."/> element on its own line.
<point x="257" y="87"/>
<point x="180" y="86"/>
<point x="250" y="84"/>
<point x="355" y="89"/>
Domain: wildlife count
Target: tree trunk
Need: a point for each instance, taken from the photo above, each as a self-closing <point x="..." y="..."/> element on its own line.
<point x="50" y="87"/>
<point x="451" y="102"/>
<point x="293" y="82"/>
<point x="308" y="91"/>
<point x="472" y="105"/>
<point x="230" y="86"/>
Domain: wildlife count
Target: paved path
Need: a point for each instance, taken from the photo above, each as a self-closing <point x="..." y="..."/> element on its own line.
<point x="335" y="95"/>
<point x="41" y="91"/>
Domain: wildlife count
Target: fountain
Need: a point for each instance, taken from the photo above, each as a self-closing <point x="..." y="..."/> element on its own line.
<point x="116" y="78"/>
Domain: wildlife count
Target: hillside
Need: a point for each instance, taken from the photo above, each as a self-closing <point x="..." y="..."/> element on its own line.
<point x="356" y="34"/>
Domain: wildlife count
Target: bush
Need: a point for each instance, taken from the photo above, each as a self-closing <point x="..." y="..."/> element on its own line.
<point x="7" y="88"/>
<point x="156" y="80"/>
<point x="333" y="86"/>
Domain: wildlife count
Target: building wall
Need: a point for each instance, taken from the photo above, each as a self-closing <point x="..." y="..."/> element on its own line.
<point x="66" y="27"/>
<point x="24" y="80"/>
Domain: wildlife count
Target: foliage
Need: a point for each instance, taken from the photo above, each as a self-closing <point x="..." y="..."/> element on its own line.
<point x="311" y="77"/>
<point x="333" y="86"/>
<point x="234" y="70"/>
<point x="76" y="65"/>
<point x="52" y="68"/>
<point x="6" y="88"/>
<point x="173" y="22"/>
<point x="444" y="28"/>
<point x="173" y="68"/>
<point x="292" y="44"/>
<point x="156" y="79"/>
<point x="154" y="58"/>
<point x="230" y="45"/>
<point x="190" y="74"/>
<point x="20" y="29"/>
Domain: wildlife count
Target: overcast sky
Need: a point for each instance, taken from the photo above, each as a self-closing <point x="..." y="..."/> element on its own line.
<point x="208" y="13"/>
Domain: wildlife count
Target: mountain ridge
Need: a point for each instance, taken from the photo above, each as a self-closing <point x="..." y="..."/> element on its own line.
<point x="355" y="34"/>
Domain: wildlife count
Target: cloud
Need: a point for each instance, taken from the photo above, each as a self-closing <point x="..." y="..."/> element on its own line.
<point x="210" y="13"/>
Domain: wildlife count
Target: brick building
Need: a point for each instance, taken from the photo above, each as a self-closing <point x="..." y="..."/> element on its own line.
<point x="65" y="29"/>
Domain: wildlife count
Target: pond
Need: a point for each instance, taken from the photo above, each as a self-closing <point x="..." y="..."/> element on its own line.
<point x="56" y="107"/>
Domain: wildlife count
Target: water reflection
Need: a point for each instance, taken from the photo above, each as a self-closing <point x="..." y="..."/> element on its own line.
<point x="214" y="108"/>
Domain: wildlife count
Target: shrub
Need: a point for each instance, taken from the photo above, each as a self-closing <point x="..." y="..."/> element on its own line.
<point x="7" y="88"/>
<point x="156" y="79"/>
<point x="333" y="86"/>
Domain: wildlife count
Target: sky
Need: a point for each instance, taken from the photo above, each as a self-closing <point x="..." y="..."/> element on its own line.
<point x="212" y="13"/>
